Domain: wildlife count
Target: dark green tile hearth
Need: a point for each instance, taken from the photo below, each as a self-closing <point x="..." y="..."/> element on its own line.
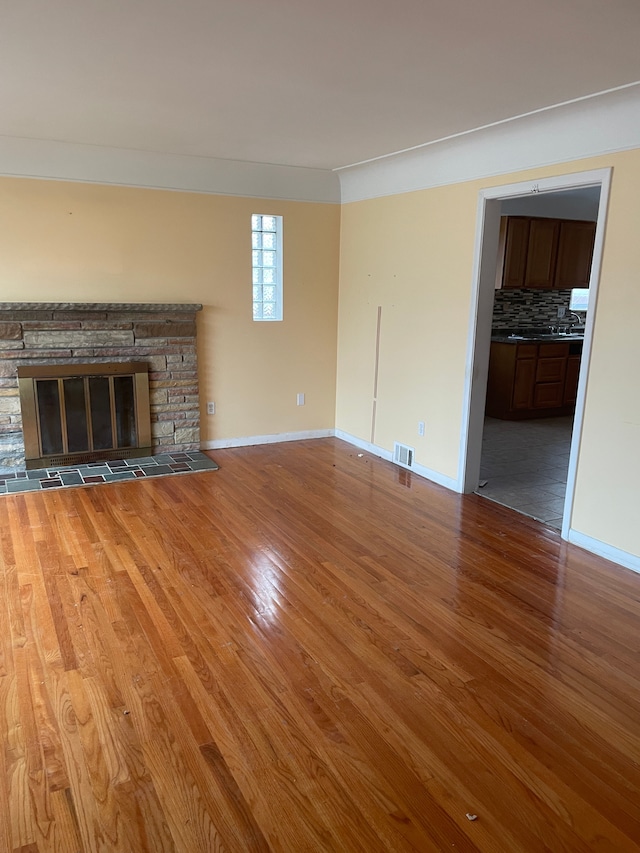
<point x="117" y="470"/>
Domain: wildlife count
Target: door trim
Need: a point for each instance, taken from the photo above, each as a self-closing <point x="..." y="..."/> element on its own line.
<point x="479" y="333"/>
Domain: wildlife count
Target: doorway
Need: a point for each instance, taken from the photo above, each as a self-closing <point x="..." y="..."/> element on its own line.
<point x="555" y="193"/>
<point x="524" y="465"/>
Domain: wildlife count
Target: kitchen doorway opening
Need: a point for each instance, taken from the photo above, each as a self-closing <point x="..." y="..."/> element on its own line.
<point x="512" y="459"/>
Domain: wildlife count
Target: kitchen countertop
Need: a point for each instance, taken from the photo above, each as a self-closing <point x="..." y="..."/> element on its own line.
<point x="534" y="336"/>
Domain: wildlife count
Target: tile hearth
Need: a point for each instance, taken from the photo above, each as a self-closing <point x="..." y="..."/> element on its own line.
<point x="110" y="471"/>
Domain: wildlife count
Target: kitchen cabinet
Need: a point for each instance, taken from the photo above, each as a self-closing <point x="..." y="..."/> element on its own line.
<point x="542" y="253"/>
<point x="515" y="251"/>
<point x="531" y="380"/>
<point x="545" y="254"/>
<point x="523" y="381"/>
<point x="575" y="253"/>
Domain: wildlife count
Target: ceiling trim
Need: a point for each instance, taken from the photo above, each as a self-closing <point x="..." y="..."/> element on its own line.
<point x="589" y="127"/>
<point x="64" y="161"/>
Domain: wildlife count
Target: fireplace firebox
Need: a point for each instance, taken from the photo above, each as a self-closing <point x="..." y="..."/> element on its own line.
<point x="75" y="413"/>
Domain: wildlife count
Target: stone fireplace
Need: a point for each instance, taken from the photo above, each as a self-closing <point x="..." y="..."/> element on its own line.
<point x="73" y="340"/>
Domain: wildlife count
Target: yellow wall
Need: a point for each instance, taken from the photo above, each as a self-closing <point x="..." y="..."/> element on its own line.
<point x="78" y="242"/>
<point x="412" y="254"/>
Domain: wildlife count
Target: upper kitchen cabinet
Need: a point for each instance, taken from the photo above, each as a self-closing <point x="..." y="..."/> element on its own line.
<point x="515" y="234"/>
<point x="545" y="254"/>
<point x="575" y="253"/>
<point x="542" y="253"/>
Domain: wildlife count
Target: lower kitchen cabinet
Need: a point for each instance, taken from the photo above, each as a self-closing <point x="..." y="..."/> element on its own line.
<point x="571" y="379"/>
<point x="523" y="381"/>
<point x="532" y="380"/>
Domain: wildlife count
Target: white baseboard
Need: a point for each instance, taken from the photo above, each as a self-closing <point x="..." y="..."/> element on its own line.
<point x="420" y="470"/>
<point x="616" y="555"/>
<point x="364" y="445"/>
<point x="247" y="440"/>
<point x="595" y="546"/>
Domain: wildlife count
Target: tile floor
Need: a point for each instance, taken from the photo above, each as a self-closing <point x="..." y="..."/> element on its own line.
<point x="104" y="472"/>
<point x="525" y="465"/>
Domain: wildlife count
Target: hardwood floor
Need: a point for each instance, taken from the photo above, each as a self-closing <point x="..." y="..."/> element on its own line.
<point x="310" y="650"/>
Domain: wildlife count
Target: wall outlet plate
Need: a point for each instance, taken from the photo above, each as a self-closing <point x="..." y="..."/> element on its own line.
<point x="211" y="408"/>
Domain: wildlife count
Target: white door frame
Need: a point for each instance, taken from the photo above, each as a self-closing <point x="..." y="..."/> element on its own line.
<point x="479" y="336"/>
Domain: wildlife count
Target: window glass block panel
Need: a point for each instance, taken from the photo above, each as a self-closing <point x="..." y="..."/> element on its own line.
<point x="266" y="261"/>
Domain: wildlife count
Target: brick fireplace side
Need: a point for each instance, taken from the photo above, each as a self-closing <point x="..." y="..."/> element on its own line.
<point x="161" y="335"/>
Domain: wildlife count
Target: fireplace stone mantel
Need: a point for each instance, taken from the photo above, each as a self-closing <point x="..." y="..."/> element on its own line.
<point x="163" y="335"/>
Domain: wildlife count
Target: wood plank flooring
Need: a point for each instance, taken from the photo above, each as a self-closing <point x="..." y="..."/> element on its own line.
<point x="310" y="650"/>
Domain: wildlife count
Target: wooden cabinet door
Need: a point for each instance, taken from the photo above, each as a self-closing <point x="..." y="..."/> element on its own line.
<point x="571" y="379"/>
<point x="515" y="252"/>
<point x="542" y="253"/>
<point x="551" y="369"/>
<point x="575" y="253"/>
<point x="523" y="383"/>
<point x="548" y="395"/>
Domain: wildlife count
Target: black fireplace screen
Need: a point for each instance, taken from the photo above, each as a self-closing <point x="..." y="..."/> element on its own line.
<point x="84" y="412"/>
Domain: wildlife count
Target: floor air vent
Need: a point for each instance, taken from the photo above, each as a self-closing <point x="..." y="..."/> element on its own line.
<point x="403" y="455"/>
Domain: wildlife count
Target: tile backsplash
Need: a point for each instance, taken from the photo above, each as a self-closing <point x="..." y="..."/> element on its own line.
<point x="525" y="307"/>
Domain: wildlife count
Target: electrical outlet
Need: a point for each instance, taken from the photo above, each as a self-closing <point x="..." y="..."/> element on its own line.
<point x="420" y="427"/>
<point x="211" y="408"/>
<point x="300" y="400"/>
<point x="562" y="312"/>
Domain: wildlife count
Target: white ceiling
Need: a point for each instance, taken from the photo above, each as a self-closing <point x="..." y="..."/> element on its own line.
<point x="294" y="82"/>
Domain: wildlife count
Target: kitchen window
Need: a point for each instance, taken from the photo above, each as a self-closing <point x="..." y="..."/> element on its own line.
<point x="579" y="299"/>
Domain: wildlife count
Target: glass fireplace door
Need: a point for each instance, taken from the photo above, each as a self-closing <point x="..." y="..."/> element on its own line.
<point x="94" y="411"/>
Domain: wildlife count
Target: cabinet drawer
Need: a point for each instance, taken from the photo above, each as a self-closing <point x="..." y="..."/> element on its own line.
<point x="553" y="350"/>
<point x="527" y="351"/>
<point x="548" y="395"/>
<point x="551" y="369"/>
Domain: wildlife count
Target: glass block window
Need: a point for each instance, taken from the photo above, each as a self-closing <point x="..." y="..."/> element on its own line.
<point x="266" y="262"/>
